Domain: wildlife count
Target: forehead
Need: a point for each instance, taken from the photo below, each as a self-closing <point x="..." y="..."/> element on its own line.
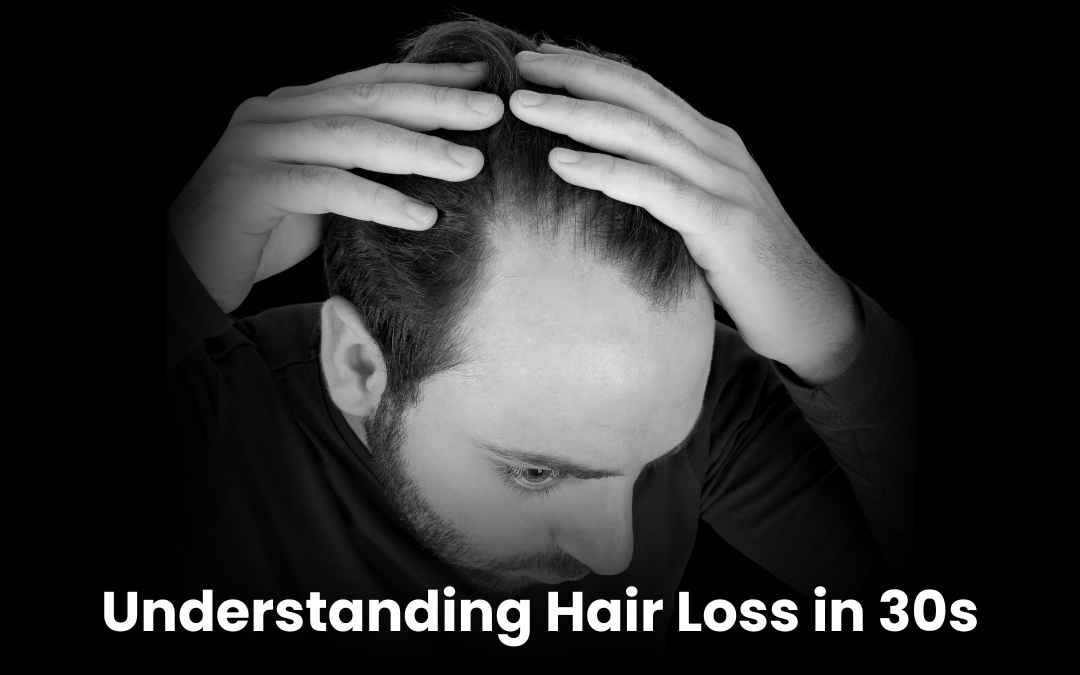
<point x="562" y="350"/>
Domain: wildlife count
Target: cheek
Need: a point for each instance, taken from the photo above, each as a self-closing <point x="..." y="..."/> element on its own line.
<point x="465" y="488"/>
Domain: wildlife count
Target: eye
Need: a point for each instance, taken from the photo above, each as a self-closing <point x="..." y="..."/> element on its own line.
<point x="536" y="476"/>
<point x="530" y="481"/>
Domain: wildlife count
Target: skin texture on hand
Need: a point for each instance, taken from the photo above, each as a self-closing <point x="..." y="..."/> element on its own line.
<point x="255" y="206"/>
<point x="696" y="176"/>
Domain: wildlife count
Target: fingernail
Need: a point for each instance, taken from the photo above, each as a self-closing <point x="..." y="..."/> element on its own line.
<point x="530" y="56"/>
<point x="482" y="103"/>
<point x="463" y="156"/>
<point x="568" y="156"/>
<point x="475" y="67"/>
<point x="530" y="98"/>
<point x="417" y="211"/>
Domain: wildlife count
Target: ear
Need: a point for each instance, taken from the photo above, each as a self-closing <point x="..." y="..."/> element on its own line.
<point x="352" y="362"/>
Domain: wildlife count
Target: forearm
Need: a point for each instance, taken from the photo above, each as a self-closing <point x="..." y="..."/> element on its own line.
<point x="867" y="418"/>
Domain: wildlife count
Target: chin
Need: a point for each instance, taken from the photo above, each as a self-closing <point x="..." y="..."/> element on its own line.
<point x="545" y="578"/>
<point x="499" y="584"/>
<point x="511" y="584"/>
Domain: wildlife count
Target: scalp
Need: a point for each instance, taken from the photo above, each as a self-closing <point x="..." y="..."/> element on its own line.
<point x="414" y="289"/>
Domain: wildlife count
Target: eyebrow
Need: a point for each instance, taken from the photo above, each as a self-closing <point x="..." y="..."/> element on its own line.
<point x="576" y="469"/>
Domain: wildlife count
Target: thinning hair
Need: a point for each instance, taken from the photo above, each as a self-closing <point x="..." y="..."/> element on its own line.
<point x="412" y="288"/>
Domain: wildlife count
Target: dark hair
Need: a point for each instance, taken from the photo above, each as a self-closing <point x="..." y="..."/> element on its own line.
<point x="411" y="288"/>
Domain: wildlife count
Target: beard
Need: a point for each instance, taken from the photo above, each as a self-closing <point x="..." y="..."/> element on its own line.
<point x="497" y="576"/>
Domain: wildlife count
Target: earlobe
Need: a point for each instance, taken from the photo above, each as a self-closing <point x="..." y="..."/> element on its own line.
<point x="351" y="360"/>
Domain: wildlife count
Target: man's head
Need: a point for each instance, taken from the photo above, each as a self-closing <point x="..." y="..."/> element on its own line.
<point x="514" y="368"/>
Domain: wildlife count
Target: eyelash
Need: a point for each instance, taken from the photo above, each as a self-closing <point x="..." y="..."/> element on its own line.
<point x="513" y="475"/>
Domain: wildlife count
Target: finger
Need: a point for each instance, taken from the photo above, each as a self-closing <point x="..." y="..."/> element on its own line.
<point x="356" y="142"/>
<point x="623" y="132"/>
<point x="548" y="48"/>
<point x="309" y="189"/>
<point x="295" y="238"/>
<point x="420" y="107"/>
<point x="461" y="75"/>
<point x="695" y="214"/>
<point x="625" y="87"/>
<point x="586" y="77"/>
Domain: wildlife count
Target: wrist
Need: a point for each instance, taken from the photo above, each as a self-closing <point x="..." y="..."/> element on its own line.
<point x="836" y="344"/>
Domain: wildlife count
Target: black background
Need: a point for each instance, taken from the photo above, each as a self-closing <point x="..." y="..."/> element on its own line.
<point x="848" y="116"/>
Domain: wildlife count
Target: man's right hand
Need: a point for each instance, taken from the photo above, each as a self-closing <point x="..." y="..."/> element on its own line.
<point x="255" y="207"/>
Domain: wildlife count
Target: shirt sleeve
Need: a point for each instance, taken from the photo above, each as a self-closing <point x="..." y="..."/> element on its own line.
<point x="191" y="315"/>
<point x="194" y="457"/>
<point x="817" y="485"/>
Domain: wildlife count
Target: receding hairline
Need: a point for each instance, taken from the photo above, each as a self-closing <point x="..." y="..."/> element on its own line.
<point x="566" y="235"/>
<point x="560" y="252"/>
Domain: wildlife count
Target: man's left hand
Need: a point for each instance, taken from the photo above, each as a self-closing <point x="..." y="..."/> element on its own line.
<point x="696" y="176"/>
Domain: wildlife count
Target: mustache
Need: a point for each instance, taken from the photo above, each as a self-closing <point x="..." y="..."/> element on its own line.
<point x="551" y="560"/>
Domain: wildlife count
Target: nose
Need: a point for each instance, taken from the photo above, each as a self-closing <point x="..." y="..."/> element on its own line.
<point x="600" y="531"/>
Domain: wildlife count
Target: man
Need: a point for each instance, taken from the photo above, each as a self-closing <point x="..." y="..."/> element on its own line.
<point x="534" y="391"/>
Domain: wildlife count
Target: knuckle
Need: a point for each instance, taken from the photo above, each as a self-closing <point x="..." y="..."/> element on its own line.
<point x="669" y="182"/>
<point x="271" y="179"/>
<point x="729" y="133"/>
<point x="341" y="129"/>
<point x="579" y="61"/>
<point x="576" y="107"/>
<point x="618" y="119"/>
<point x="237" y="146"/>
<point x="702" y="204"/>
<point x="710" y="208"/>
<point x="651" y="88"/>
<point x="282" y="92"/>
<point x="725" y="132"/>
<point x="308" y="175"/>
<point x="661" y="131"/>
<point x="659" y="185"/>
<point x="384" y="137"/>
<point x="320" y="180"/>
<point x="658" y="91"/>
<point x="642" y="80"/>
<point x="306" y="128"/>
<point x="573" y="61"/>
<point x="334" y="180"/>
<point x="372" y="194"/>
<point x="650" y="84"/>
<point x="608" y="164"/>
<point x="441" y="97"/>
<point x="692" y="199"/>
<point x="364" y="95"/>
<point x="249" y="109"/>
<point x="281" y="180"/>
